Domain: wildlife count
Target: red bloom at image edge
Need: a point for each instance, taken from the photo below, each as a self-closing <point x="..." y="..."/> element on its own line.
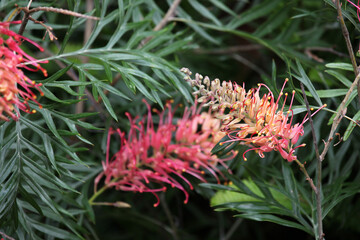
<point x="154" y="155"/>
<point x="13" y="82"/>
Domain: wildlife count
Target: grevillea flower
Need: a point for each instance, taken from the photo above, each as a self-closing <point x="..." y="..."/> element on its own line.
<point x="250" y="119"/>
<point x="165" y="154"/>
<point x="13" y="81"/>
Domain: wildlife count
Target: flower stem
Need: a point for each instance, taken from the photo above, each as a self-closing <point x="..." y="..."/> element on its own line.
<point x="317" y="189"/>
<point x="97" y="194"/>
<point x="308" y="178"/>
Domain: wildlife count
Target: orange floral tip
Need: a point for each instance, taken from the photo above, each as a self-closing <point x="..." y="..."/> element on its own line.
<point x="293" y="91"/>
<point x="312" y="109"/>
<point x="230" y="183"/>
<point x="41" y="94"/>
<point x="286" y="79"/>
<point x="185" y="201"/>
<point x="181" y="105"/>
<point x="269" y="98"/>
<point x="171" y="100"/>
<point x="245" y="159"/>
<point x="258" y="84"/>
<point x="202" y="172"/>
<point x="325" y="105"/>
<point x="286" y="94"/>
<point x="34" y="97"/>
<point x="33" y="111"/>
<point x="40" y="106"/>
<point x="156" y="204"/>
<point x="154" y="110"/>
<point x="281" y="93"/>
<point x="33" y="82"/>
<point x="221" y="144"/>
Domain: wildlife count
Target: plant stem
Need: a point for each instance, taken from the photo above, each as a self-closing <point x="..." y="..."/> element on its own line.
<point x="6" y="236"/>
<point x="338" y="117"/>
<point x="97" y="194"/>
<point x="169" y="14"/>
<point x="308" y="178"/>
<point x="345" y="33"/>
<point x="318" y="169"/>
<point x="169" y="216"/>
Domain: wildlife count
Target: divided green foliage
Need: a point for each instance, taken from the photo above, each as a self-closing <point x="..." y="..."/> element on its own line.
<point x="36" y="156"/>
<point x="261" y="201"/>
<point x="49" y="160"/>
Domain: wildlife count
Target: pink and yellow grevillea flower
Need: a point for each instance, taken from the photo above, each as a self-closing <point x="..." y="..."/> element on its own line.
<point x="249" y="119"/>
<point x="164" y="155"/>
<point x="15" y="86"/>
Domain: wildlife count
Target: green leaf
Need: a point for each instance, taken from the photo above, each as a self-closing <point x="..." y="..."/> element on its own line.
<point x="307" y="82"/>
<point x="340" y="77"/>
<point x="274" y="219"/>
<point x="107" y="104"/>
<point x="329" y="93"/>
<point x="202" y="10"/>
<point x="253" y="13"/>
<point x="352" y="126"/>
<point x="343" y="66"/>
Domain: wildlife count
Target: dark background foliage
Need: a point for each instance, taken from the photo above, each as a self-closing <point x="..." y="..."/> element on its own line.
<point x="48" y="160"/>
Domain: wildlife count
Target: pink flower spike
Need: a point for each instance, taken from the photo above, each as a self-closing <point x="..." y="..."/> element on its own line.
<point x="251" y="120"/>
<point x="150" y="156"/>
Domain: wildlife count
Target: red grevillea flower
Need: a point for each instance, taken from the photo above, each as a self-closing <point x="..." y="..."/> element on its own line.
<point x="165" y="154"/>
<point x="251" y="120"/>
<point x="13" y="82"/>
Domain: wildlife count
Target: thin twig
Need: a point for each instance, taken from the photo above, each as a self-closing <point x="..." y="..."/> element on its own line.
<point x="233" y="229"/>
<point x="249" y="64"/>
<point x="27" y="12"/>
<point x="308" y="178"/>
<point x="6" y="236"/>
<point x="170" y="13"/>
<point x="25" y="18"/>
<point x="318" y="168"/>
<point x="326" y="49"/>
<point x="229" y="50"/>
<point x="79" y="108"/>
<point x="48" y="29"/>
<point x="345" y="33"/>
<point x="338" y="117"/>
<point x="169" y="216"/>
<point x="311" y="122"/>
<point x="57" y="10"/>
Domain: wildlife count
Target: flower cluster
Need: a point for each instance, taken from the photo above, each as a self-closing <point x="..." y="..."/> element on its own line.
<point x="250" y="119"/>
<point x="164" y="154"/>
<point x="13" y="82"/>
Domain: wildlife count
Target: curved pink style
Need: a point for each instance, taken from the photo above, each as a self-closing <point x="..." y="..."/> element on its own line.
<point x="13" y="82"/>
<point x="164" y="155"/>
